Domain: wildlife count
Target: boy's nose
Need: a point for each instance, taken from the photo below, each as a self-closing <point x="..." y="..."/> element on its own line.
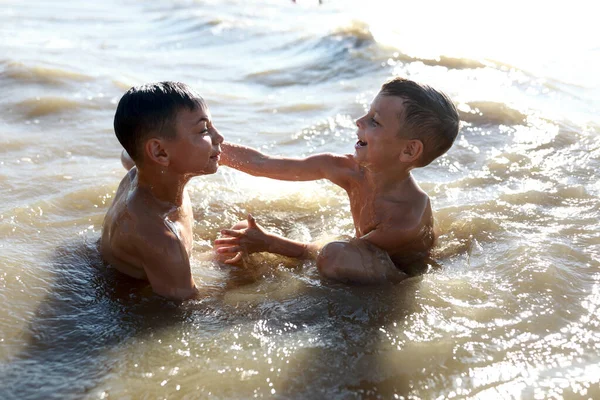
<point x="217" y="137"/>
<point x="359" y="122"/>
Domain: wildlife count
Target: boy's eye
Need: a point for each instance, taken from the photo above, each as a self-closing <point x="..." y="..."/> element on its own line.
<point x="374" y="122"/>
<point x="204" y="131"/>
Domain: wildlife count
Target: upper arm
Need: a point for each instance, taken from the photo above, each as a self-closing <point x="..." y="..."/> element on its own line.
<point x="320" y="166"/>
<point x="166" y="264"/>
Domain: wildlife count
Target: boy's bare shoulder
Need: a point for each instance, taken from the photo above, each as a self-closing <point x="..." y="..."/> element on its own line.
<point x="346" y="161"/>
<point x="138" y="218"/>
<point x="133" y="228"/>
<point x="345" y="170"/>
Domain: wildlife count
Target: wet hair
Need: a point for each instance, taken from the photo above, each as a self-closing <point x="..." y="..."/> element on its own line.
<point x="429" y="115"/>
<point x="150" y="110"/>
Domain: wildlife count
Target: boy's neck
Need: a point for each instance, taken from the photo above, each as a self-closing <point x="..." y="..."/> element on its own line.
<point x="388" y="180"/>
<point x="164" y="186"/>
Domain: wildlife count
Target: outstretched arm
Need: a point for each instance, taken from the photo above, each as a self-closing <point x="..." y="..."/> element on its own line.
<point x="336" y="168"/>
<point x="251" y="238"/>
<point x="354" y="261"/>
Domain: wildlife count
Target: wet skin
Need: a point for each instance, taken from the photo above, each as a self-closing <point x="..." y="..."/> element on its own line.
<point x="147" y="231"/>
<point x="392" y="215"/>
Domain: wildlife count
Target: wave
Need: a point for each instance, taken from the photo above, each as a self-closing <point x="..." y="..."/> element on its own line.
<point x="489" y="112"/>
<point x="344" y="52"/>
<point x="50" y="105"/>
<point x="52" y="75"/>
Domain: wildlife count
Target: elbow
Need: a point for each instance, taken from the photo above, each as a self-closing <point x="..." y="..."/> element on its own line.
<point x="176" y="294"/>
<point x="186" y="293"/>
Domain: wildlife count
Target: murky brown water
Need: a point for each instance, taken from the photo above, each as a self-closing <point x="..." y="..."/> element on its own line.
<point x="510" y="311"/>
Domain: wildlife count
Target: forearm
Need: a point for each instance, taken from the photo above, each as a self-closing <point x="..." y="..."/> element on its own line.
<point x="291" y="248"/>
<point x="249" y="237"/>
<point x="245" y="159"/>
<point x="255" y="163"/>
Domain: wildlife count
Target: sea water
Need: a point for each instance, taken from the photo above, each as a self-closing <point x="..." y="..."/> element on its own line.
<point x="509" y="310"/>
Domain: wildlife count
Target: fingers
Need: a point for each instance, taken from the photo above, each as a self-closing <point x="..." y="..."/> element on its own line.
<point x="251" y="221"/>
<point x="235" y="259"/>
<point x="230" y="250"/>
<point x="228" y="240"/>
<point x="231" y="232"/>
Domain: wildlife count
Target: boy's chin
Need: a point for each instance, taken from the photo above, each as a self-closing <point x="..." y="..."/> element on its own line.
<point x="211" y="166"/>
<point x="358" y="158"/>
<point x="209" y="170"/>
<point x="214" y="168"/>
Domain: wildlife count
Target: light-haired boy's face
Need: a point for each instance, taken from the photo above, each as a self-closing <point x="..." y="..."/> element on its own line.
<point x="379" y="142"/>
<point x="196" y="147"/>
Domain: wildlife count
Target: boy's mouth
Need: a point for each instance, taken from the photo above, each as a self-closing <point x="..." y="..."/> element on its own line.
<point x="360" y="143"/>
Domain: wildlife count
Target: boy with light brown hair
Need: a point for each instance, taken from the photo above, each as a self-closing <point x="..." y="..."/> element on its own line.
<point x="408" y="126"/>
<point x="168" y="132"/>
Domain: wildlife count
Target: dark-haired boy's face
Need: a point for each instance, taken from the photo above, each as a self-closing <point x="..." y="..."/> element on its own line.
<point x="196" y="147"/>
<point x="379" y="141"/>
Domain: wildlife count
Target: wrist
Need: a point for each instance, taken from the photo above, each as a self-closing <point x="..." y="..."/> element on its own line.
<point x="286" y="247"/>
<point x="271" y="243"/>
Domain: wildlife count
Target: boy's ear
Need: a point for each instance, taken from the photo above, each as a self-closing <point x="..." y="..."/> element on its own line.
<point x="156" y="151"/>
<point x="412" y="151"/>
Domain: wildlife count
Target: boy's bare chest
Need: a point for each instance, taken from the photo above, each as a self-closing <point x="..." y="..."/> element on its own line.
<point x="368" y="210"/>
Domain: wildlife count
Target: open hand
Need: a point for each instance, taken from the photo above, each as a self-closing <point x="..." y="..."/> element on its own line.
<point x="249" y="238"/>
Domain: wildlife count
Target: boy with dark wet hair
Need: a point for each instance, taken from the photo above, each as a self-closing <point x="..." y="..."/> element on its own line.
<point x="147" y="233"/>
<point x="408" y="126"/>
